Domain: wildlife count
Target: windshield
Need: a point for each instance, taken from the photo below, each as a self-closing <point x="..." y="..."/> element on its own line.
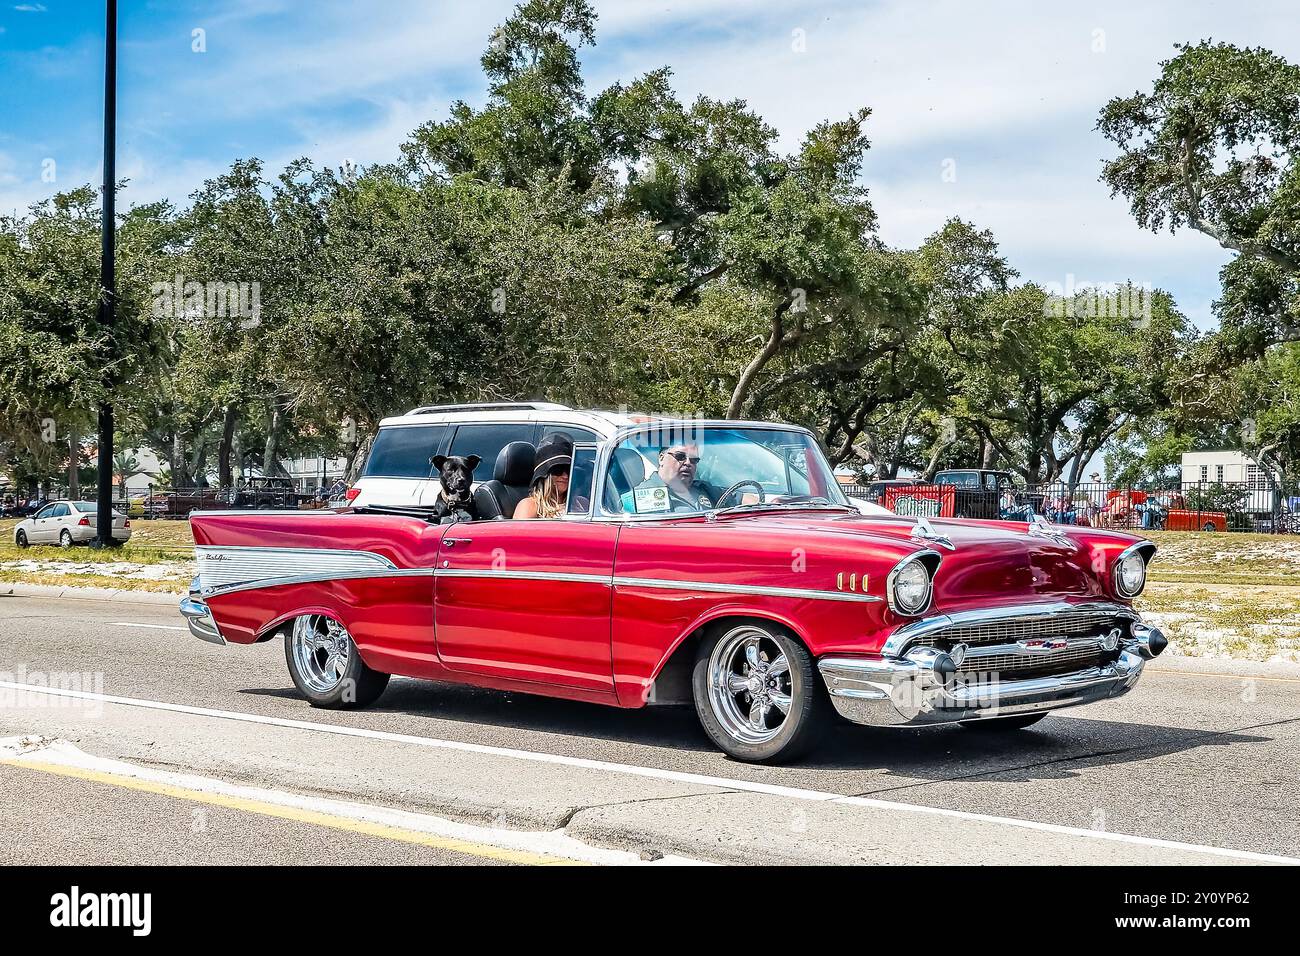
<point x="697" y="469"/>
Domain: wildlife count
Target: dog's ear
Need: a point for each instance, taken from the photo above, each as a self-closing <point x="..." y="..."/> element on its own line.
<point x="438" y="461"/>
<point x="472" y="461"/>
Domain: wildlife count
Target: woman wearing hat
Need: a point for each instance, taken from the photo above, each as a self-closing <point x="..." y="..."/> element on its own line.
<point x="550" y="485"/>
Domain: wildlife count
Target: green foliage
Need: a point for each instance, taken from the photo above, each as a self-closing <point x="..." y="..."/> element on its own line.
<point x="629" y="248"/>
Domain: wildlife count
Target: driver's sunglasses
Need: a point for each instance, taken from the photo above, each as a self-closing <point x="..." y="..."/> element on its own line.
<point x="682" y="457"/>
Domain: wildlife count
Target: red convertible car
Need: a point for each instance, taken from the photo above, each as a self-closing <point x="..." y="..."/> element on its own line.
<point x="753" y="590"/>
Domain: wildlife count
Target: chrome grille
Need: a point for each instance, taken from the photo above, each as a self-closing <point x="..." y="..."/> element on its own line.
<point x="1010" y="630"/>
<point x="1011" y="664"/>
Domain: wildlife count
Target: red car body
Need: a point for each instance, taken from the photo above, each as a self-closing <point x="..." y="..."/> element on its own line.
<point x="618" y="612"/>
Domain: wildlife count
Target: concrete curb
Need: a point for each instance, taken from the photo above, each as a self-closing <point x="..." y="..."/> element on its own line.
<point x="16" y="589"/>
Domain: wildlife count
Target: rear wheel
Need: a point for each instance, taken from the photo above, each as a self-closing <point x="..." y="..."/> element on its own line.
<point x="65" y="538"/>
<point x="993" y="724"/>
<point x="756" y="693"/>
<point x="325" y="666"/>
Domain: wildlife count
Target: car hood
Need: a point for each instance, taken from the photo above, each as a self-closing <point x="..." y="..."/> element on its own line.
<point x="983" y="562"/>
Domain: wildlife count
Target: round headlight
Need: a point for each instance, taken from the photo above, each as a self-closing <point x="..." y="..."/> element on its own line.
<point x="1131" y="575"/>
<point x="909" y="591"/>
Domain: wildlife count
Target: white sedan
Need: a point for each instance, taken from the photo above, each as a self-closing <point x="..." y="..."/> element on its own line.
<point x="66" y="523"/>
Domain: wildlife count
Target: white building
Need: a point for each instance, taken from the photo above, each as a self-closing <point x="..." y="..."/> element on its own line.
<point x="308" y="474"/>
<point x="1223" y="467"/>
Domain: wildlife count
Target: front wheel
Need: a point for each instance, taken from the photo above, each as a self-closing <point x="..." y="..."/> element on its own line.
<point x="20" y="538"/>
<point x="756" y="693"/>
<point x="991" y="724"/>
<point x="325" y="666"/>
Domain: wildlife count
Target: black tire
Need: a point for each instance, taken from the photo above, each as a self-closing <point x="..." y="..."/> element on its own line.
<point x="358" y="686"/>
<point x="20" y="538"/>
<point x="798" y="728"/>
<point x="1209" y="526"/>
<point x="65" y="538"/>
<point x="998" y="724"/>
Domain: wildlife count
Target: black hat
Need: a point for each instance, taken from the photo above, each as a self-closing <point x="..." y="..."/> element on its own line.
<point x="555" y="450"/>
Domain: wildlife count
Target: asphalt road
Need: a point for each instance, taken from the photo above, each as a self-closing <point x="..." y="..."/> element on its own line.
<point x="1197" y="765"/>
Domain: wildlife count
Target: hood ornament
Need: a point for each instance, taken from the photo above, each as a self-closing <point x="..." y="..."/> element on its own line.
<point x="926" y="532"/>
<point x="1040" y="527"/>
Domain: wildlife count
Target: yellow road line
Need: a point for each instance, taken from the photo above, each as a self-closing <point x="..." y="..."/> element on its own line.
<point x="316" y="817"/>
<point x="1236" y="677"/>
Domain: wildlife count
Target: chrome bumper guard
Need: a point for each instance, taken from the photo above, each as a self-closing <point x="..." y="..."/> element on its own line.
<point x="928" y="686"/>
<point x="199" y="618"/>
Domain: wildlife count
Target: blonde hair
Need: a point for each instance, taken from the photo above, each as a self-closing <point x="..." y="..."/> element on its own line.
<point x="547" y="498"/>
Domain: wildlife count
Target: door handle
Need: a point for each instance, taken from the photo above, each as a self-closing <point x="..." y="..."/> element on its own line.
<point x="452" y="542"/>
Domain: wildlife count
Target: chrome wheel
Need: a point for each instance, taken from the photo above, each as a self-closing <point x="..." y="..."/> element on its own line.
<point x="750" y="690"/>
<point x="321" y="647"/>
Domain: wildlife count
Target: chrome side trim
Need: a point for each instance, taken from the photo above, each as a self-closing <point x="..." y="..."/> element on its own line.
<point x="906" y="633"/>
<point x="743" y="589"/>
<point x="572" y="577"/>
<point x="221" y="567"/>
<point x="313" y="579"/>
<point x="230" y="570"/>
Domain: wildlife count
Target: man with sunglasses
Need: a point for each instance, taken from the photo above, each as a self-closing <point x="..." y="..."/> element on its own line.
<point x="674" y="486"/>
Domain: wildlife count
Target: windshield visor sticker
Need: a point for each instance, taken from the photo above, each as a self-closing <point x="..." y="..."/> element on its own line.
<point x="651" y="499"/>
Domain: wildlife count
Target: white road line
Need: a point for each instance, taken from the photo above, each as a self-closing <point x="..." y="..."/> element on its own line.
<point x="156" y="627"/>
<point x="41" y="752"/>
<point x="677" y="776"/>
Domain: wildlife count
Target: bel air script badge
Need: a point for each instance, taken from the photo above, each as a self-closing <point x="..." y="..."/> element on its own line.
<point x="1044" y="644"/>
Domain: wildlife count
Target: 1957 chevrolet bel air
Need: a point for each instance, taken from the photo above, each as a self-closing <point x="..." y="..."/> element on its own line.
<point x="753" y="589"/>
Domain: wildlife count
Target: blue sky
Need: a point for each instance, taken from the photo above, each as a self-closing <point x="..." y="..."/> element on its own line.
<point x="1004" y="93"/>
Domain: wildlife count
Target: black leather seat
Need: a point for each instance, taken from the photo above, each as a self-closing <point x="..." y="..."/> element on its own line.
<point x="626" y="471"/>
<point x="509" y="485"/>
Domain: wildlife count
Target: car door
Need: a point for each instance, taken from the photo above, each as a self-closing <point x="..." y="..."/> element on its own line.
<point x="43" y="531"/>
<point x="527" y="600"/>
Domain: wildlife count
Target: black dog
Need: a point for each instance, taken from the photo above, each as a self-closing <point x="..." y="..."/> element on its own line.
<point x="456" y="500"/>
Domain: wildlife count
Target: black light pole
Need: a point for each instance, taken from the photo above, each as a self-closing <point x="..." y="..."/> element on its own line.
<point x="108" y="278"/>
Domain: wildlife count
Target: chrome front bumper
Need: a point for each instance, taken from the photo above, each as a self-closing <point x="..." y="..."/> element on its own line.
<point x="199" y="619"/>
<point x="924" y="686"/>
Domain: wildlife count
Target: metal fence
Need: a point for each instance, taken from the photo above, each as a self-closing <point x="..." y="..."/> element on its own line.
<point x="1186" y="506"/>
<point x="162" y="502"/>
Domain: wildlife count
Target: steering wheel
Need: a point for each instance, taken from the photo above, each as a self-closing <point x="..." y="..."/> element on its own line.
<point x="736" y="487"/>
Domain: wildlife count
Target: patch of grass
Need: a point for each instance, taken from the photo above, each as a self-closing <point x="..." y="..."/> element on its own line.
<point x="92" y="581"/>
<point x="150" y="543"/>
<point x="1257" y="623"/>
<point x="1189" y="557"/>
<point x="81" y="554"/>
